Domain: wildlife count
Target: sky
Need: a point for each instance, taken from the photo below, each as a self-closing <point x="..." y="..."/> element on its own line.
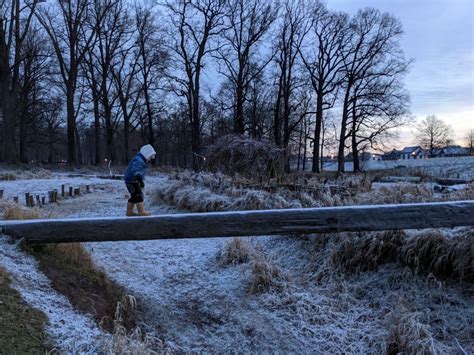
<point x="439" y="36"/>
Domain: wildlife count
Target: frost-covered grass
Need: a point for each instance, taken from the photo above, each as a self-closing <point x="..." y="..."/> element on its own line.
<point x="207" y="192"/>
<point x="356" y="292"/>
<point x="385" y="292"/>
<point x="460" y="167"/>
<point x="187" y="301"/>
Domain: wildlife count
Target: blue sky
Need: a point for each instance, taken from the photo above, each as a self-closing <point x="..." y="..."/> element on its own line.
<point x="439" y="36"/>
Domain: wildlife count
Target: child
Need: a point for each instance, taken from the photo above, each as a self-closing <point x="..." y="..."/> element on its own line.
<point x="135" y="180"/>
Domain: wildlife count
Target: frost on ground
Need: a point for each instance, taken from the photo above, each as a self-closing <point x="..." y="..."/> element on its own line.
<point x="193" y="302"/>
<point x="458" y="167"/>
<point x="70" y="331"/>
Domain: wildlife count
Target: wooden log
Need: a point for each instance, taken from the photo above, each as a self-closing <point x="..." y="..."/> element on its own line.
<point x="245" y="223"/>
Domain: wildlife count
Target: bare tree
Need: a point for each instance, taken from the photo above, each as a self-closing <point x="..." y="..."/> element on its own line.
<point x="323" y="59"/>
<point x="379" y="103"/>
<point x="374" y="40"/>
<point x="247" y="22"/>
<point x="291" y="33"/>
<point x="71" y="27"/>
<point x="15" y="23"/>
<point x="433" y="133"/>
<point x="196" y="23"/>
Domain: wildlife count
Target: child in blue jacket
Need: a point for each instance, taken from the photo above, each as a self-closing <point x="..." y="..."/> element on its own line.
<point x="135" y="180"/>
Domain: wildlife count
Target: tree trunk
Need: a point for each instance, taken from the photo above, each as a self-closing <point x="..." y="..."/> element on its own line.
<point x="239" y="125"/>
<point x="71" y="125"/>
<point x="342" y="136"/>
<point x="317" y="132"/>
<point x="355" y="151"/>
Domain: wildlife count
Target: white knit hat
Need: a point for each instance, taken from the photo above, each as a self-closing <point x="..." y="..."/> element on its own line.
<point x="147" y="151"/>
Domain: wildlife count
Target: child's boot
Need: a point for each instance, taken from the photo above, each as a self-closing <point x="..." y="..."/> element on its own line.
<point x="141" y="210"/>
<point x="130" y="212"/>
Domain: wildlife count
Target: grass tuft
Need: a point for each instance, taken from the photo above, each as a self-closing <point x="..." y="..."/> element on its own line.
<point x="265" y="276"/>
<point x="237" y="251"/>
<point x="14" y="211"/>
<point x="408" y="335"/>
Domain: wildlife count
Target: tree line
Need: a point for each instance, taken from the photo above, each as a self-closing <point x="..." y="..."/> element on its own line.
<point x="88" y="80"/>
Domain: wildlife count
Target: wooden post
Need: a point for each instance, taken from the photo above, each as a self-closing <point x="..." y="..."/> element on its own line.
<point x="88" y="188"/>
<point x="31" y="201"/>
<point x="77" y="191"/>
<point x="63" y="193"/>
<point x="38" y="201"/>
<point x="15" y="199"/>
<point x="245" y="223"/>
<point x="50" y="197"/>
<point x="1" y="194"/>
<point x="43" y="200"/>
<point x="70" y="191"/>
<point x="27" y="199"/>
<point x="55" y="196"/>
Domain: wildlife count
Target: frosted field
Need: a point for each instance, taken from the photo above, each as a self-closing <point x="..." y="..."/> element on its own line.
<point x="195" y="305"/>
<point x="462" y="167"/>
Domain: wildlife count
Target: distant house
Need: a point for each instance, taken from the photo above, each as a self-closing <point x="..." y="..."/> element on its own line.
<point x="393" y="155"/>
<point x="454" y="151"/>
<point x="412" y="153"/>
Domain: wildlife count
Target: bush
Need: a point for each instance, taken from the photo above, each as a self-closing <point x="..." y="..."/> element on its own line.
<point x="252" y="158"/>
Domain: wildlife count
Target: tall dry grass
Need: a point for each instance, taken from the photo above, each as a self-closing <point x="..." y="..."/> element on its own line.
<point x="429" y="253"/>
<point x="408" y="335"/>
<point x="135" y="341"/>
<point x="266" y="275"/>
<point x="237" y="251"/>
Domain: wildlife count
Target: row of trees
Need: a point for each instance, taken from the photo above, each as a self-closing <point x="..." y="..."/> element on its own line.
<point x="93" y="79"/>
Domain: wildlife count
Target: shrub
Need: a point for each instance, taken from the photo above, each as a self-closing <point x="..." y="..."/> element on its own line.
<point x="252" y="158"/>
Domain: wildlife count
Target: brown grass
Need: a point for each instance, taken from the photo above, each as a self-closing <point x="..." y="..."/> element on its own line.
<point x="431" y="252"/>
<point x="408" y="335"/>
<point x="14" y="211"/>
<point x="237" y="251"/>
<point x="365" y="252"/>
<point x="265" y="276"/>
<point x="21" y="327"/>
<point x="445" y="258"/>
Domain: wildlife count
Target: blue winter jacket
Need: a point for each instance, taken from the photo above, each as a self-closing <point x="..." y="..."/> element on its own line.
<point x="136" y="167"/>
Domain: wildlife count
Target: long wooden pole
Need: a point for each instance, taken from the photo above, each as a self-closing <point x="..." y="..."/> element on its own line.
<point x="245" y="223"/>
